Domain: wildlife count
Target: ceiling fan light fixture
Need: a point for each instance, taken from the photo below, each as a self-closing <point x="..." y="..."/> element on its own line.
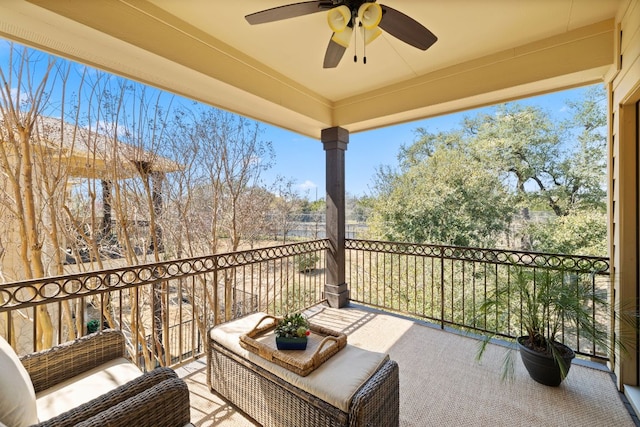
<point x="370" y="35"/>
<point x="343" y="38"/>
<point x="344" y="16"/>
<point x="339" y="18"/>
<point x="370" y="15"/>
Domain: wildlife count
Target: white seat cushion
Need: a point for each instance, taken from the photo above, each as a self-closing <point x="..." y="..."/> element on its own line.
<point x="335" y="381"/>
<point x="84" y="387"/>
<point x="17" y="396"/>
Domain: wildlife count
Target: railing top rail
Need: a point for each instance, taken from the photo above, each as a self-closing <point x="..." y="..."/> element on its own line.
<point x="572" y="263"/>
<point x="49" y="289"/>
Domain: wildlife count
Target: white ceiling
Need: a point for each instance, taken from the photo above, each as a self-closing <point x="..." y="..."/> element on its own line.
<point x="466" y="29"/>
<point x="487" y="51"/>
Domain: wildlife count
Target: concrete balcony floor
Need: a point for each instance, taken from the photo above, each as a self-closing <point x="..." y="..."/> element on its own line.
<point x="441" y="384"/>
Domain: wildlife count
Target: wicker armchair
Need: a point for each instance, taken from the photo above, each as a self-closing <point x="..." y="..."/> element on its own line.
<point x="156" y="398"/>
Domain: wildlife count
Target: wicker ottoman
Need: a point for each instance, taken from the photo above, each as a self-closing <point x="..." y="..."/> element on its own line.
<point x="260" y="389"/>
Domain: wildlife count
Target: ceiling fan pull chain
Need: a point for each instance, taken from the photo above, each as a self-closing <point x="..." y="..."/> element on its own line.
<point x="364" y="47"/>
<point x="355" y="44"/>
<point x="354" y="23"/>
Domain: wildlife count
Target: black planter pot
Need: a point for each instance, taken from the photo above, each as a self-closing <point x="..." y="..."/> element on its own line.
<point x="542" y="367"/>
<point x="295" y="343"/>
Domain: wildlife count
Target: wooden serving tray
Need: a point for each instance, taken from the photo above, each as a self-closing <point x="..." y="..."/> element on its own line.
<point x="322" y="343"/>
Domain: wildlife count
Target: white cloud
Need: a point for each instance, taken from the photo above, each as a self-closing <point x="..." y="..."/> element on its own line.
<point x="307" y="185"/>
<point x="24" y="96"/>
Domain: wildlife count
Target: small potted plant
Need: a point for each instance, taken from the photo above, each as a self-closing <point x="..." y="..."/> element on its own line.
<point x="92" y="326"/>
<point x="292" y="332"/>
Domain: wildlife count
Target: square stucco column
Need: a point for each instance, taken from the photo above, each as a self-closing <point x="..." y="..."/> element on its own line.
<point x="335" y="142"/>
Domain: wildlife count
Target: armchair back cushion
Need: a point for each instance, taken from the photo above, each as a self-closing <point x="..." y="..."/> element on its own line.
<point x="17" y="396"/>
<point x="84" y="387"/>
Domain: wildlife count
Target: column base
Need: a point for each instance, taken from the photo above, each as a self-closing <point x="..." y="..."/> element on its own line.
<point x="337" y="295"/>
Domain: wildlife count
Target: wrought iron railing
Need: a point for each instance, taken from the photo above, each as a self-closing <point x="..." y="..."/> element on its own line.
<point x="447" y="284"/>
<point x="164" y="308"/>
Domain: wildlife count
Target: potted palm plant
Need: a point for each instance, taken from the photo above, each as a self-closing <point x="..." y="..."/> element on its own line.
<point x="545" y="301"/>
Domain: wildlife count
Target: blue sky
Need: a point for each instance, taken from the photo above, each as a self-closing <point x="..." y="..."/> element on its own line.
<point x="302" y="159"/>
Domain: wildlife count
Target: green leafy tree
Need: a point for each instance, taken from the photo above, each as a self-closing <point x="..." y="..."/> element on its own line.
<point x="518" y="144"/>
<point x="441" y="194"/>
<point x="462" y="187"/>
<point x="579" y="233"/>
<point x="582" y="229"/>
<point x="312" y="211"/>
<point x="362" y="208"/>
<point x="560" y="165"/>
<point x="318" y="206"/>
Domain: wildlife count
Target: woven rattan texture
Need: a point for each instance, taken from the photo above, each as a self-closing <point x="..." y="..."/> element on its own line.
<point x="275" y="402"/>
<point x="50" y="367"/>
<point x="159" y="406"/>
<point x="129" y="392"/>
<point x="157" y="398"/>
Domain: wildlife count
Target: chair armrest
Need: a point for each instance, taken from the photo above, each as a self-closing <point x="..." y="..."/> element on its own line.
<point x="111" y="399"/>
<point x="377" y="402"/>
<point x="57" y="364"/>
<point x="163" y="405"/>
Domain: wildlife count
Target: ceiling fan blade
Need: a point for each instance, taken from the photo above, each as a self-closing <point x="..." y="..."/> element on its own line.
<point x="287" y="11"/>
<point x="333" y="55"/>
<point x="406" y="28"/>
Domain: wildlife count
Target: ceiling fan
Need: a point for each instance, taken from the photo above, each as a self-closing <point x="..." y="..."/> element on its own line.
<point x="344" y="16"/>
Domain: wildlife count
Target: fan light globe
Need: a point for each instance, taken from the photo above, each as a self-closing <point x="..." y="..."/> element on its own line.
<point x="370" y="15"/>
<point x="370" y="35"/>
<point x="339" y="18"/>
<point x="343" y="37"/>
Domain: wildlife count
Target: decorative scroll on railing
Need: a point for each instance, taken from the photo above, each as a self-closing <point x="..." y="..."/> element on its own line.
<point x="28" y="293"/>
<point x="577" y="263"/>
<point x="447" y="284"/>
<point x="164" y="308"/>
